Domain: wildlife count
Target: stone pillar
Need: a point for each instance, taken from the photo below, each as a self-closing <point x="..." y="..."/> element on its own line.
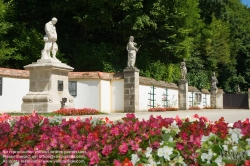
<point x="183" y="95"/>
<point x="131" y="89"/>
<point x="48" y="86"/>
<point x="213" y="100"/>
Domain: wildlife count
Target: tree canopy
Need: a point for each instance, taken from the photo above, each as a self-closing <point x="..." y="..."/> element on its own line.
<point x="92" y="35"/>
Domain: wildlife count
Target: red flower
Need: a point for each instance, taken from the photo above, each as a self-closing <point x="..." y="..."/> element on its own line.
<point x="247" y="163"/>
<point x="127" y="162"/>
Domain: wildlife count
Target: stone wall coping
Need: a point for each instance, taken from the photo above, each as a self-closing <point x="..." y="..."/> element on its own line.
<point x="205" y="91"/>
<point x="96" y="75"/>
<point x="18" y="73"/>
<point x="151" y="81"/>
<point x="193" y="89"/>
<point x="14" y="73"/>
<point x="220" y="91"/>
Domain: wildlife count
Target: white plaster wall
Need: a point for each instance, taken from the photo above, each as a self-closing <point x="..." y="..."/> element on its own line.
<point x="117" y="95"/>
<point x="88" y="94"/>
<point x="144" y="102"/>
<point x="219" y="101"/>
<point x="159" y="94"/>
<point x="190" y="100"/>
<point x="201" y="104"/>
<point x="173" y="97"/>
<point x="143" y="97"/>
<point x="207" y="96"/>
<point x="13" y="90"/>
<point x="105" y="97"/>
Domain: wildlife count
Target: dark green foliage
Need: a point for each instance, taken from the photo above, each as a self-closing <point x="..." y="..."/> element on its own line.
<point x="213" y="36"/>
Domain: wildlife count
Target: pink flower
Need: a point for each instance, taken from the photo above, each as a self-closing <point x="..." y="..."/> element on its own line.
<point x="156" y="145"/>
<point x="53" y="143"/>
<point x="184" y="136"/>
<point x="123" y="148"/>
<point x="107" y="150"/>
<point x="131" y="116"/>
<point x="94" y="158"/>
<point x="115" y="131"/>
<point x="145" y="135"/>
<point x="134" y="145"/>
<point x="179" y="146"/>
<point x="117" y="163"/>
<point x="136" y="126"/>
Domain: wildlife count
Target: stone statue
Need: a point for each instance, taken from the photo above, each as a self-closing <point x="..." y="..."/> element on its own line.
<point x="50" y="40"/>
<point x="214" y="81"/>
<point x="132" y="50"/>
<point x="183" y="70"/>
<point x="238" y="88"/>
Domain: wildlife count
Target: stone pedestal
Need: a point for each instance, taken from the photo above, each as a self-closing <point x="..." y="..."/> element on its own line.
<point x="183" y="95"/>
<point x="213" y="101"/>
<point x="48" y="86"/>
<point x="131" y="89"/>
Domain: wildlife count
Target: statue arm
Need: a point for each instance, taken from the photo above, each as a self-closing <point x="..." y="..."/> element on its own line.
<point x="131" y="46"/>
<point x="49" y="31"/>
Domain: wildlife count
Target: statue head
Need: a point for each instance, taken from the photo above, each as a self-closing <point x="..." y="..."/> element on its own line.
<point x="131" y="39"/>
<point x="54" y="20"/>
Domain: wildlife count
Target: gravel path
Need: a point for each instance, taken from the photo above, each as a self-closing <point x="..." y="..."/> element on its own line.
<point x="230" y="115"/>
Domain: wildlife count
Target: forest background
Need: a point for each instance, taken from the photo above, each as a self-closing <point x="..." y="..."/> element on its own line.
<point x="212" y="35"/>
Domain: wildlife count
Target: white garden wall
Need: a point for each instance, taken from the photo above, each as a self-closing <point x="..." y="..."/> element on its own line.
<point x="206" y="100"/>
<point x="144" y="97"/>
<point x="117" y="95"/>
<point x="198" y="98"/>
<point x="87" y="94"/>
<point x="101" y="91"/>
<point x="13" y="90"/>
<point x="146" y="100"/>
<point x="105" y="96"/>
<point x="219" y="101"/>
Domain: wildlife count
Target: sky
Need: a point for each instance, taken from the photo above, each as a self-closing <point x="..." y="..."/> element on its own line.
<point x="246" y="2"/>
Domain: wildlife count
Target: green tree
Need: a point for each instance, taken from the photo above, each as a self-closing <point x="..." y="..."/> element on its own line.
<point x="237" y="72"/>
<point x="92" y="35"/>
<point x="6" y="50"/>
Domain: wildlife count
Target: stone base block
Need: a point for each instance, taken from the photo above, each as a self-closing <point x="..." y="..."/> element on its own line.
<point x="46" y="102"/>
<point x="183" y="95"/>
<point x="48" y="86"/>
<point x="43" y="107"/>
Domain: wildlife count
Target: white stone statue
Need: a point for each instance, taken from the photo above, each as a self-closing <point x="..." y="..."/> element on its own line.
<point x="183" y="70"/>
<point x="50" y="40"/>
<point x="132" y="50"/>
<point x="238" y="88"/>
<point x="214" y="81"/>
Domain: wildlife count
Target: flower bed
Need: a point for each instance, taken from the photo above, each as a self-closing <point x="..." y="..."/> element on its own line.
<point x="162" y="109"/>
<point x="194" y="108"/>
<point x="129" y="141"/>
<point x="208" y="107"/>
<point x="74" y="111"/>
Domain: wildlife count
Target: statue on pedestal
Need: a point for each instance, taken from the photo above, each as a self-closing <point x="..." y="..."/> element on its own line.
<point x="183" y="70"/>
<point x="238" y="88"/>
<point x="132" y="50"/>
<point x="214" y="81"/>
<point x="50" y="40"/>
